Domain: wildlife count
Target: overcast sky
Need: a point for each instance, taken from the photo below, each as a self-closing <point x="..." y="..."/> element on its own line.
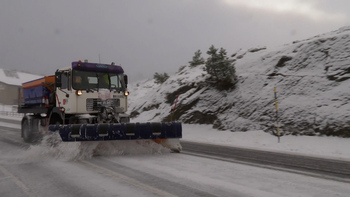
<point x="148" y="36"/>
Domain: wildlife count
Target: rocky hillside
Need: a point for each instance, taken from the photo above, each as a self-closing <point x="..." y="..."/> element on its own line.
<point x="311" y="77"/>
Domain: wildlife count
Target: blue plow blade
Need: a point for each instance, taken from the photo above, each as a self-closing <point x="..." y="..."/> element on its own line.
<point x="118" y="131"/>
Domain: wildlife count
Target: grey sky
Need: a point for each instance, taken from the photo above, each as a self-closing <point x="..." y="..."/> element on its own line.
<point x="148" y="36"/>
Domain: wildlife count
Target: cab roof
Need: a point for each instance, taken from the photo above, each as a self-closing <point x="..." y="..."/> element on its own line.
<point x="97" y="67"/>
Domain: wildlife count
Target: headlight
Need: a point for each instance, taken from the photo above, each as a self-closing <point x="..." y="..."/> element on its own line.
<point x="78" y="92"/>
<point x="126" y="93"/>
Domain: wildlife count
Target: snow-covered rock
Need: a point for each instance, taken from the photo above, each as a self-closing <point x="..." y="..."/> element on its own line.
<point x="311" y="78"/>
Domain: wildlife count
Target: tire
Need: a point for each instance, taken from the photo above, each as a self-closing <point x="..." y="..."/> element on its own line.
<point x="26" y="131"/>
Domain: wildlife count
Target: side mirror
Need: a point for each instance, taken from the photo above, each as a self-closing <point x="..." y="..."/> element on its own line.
<point x="58" y="81"/>
<point x="126" y="80"/>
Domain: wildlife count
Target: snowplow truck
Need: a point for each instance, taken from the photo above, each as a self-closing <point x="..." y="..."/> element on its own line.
<point x="87" y="102"/>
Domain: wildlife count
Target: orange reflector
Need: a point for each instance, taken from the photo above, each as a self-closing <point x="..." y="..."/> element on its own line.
<point x="159" y="141"/>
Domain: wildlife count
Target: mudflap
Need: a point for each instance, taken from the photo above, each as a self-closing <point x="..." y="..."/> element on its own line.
<point x="164" y="133"/>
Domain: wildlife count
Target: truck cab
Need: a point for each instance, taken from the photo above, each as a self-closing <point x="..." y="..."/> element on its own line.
<point x="82" y="93"/>
<point x="89" y="88"/>
<point x="87" y="102"/>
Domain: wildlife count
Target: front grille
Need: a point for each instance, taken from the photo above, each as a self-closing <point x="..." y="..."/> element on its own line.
<point x="93" y="104"/>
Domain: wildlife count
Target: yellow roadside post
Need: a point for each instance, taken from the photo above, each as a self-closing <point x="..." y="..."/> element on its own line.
<point x="277" y="126"/>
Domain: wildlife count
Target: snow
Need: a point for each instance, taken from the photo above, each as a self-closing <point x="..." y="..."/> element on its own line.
<point x="18" y="78"/>
<point x="319" y="146"/>
<point x="206" y="175"/>
<point x="9" y="125"/>
<point x="323" y="100"/>
<point x="309" y="97"/>
<point x="312" y="90"/>
<point x="215" y="177"/>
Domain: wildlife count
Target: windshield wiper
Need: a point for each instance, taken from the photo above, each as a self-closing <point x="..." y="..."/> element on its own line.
<point x="91" y="89"/>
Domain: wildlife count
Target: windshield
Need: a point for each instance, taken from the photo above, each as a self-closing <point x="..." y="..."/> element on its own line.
<point x="87" y="80"/>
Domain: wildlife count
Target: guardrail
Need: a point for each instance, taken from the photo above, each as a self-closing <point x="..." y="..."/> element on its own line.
<point x="11" y="113"/>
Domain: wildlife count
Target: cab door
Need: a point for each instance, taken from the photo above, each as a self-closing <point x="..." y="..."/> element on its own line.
<point x="64" y="95"/>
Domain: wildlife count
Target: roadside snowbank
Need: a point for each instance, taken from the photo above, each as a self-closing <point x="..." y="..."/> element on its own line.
<point x="318" y="146"/>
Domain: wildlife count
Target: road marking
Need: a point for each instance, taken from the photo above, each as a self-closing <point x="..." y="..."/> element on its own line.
<point x="19" y="183"/>
<point x="126" y="179"/>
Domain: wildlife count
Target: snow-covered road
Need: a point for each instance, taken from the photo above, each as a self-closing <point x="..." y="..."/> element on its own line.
<point x="137" y="169"/>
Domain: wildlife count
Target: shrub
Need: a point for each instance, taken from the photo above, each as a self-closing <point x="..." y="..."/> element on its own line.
<point x="160" y="78"/>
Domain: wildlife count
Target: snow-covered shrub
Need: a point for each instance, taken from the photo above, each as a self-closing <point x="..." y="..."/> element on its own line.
<point x="220" y="68"/>
<point x="160" y="78"/>
<point x="197" y="59"/>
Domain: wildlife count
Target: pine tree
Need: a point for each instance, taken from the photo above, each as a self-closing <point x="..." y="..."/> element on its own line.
<point x="211" y="65"/>
<point x="197" y="59"/>
<point x="160" y="78"/>
<point x="221" y="68"/>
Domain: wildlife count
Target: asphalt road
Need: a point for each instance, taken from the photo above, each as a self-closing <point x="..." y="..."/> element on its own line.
<point x="21" y="170"/>
<point x="200" y="170"/>
<point x="313" y="166"/>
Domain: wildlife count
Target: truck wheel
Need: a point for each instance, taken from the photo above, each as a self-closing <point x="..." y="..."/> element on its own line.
<point x="26" y="131"/>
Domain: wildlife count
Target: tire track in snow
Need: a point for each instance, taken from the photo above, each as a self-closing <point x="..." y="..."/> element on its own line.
<point x="125" y="179"/>
<point x="18" y="182"/>
<point x="144" y="180"/>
